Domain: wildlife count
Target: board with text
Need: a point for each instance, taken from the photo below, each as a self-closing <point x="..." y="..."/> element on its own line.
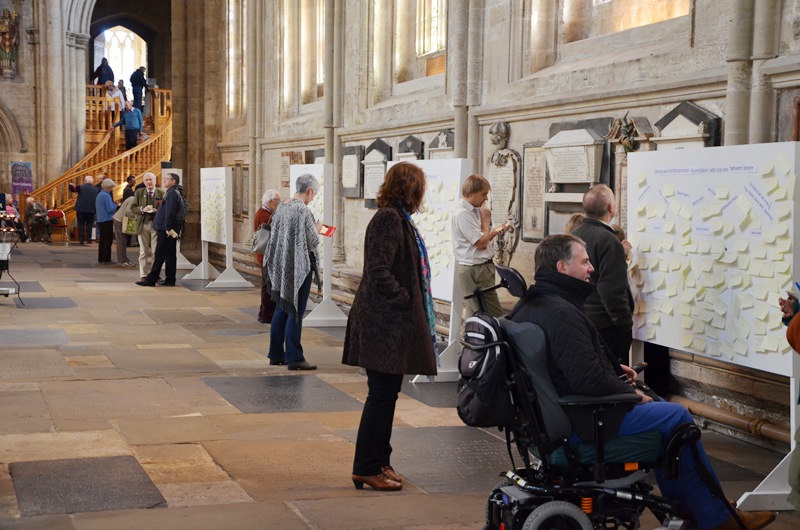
<point x="712" y="232"/>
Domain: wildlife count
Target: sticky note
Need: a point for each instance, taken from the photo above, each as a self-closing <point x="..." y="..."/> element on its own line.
<point x="686" y="340"/>
<point x="712" y="332"/>
<point x="759" y="328"/>
<point x="790" y="179"/>
<point x="743" y="203"/>
<point x="667" y="308"/>
<point x="722" y="192"/>
<point x="782" y="164"/>
<point x="726" y="349"/>
<point x="782" y="211"/>
<point x="778" y="194"/>
<point x="675" y="207"/>
<point x="740" y="245"/>
<point x="669" y="190"/>
<point x="718" y="322"/>
<point x="651" y="334"/>
<point x="685" y="212"/>
<point x="766" y="168"/>
<point x="770" y="183"/>
<point x="740" y="347"/>
<point x="642" y="180"/>
<point x="699" y="344"/>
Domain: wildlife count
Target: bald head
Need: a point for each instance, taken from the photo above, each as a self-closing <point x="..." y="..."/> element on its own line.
<point x="599" y="203"/>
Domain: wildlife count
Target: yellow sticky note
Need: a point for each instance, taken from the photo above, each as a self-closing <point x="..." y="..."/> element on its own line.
<point x="685" y="212"/>
<point x="778" y="194"/>
<point x="740" y="245"/>
<point x="642" y="180"/>
<point x="770" y="183"/>
<point x="743" y="203"/>
<point x="722" y="192"/>
<point x="667" y="308"/>
<point x="686" y="340"/>
<point x="675" y="207"/>
<point x="641" y="208"/>
<point x="672" y="289"/>
<point x="669" y="190"/>
<point x="718" y="322"/>
<point x="759" y="328"/>
<point x="669" y="226"/>
<point x="782" y="211"/>
<point x="699" y="344"/>
<point x="790" y="180"/>
<point x="712" y="332"/>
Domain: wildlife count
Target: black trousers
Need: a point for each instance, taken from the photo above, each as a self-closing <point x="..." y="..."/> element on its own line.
<point x="375" y="430"/>
<point x="619" y="341"/>
<point x="85" y="220"/>
<point x="105" y="240"/>
<point x="131" y="138"/>
<point x="166" y="255"/>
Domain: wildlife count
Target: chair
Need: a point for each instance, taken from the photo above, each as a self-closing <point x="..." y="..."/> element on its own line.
<point x="58" y="220"/>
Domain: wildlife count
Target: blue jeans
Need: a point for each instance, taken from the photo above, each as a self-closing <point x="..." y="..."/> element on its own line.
<point x="287" y="328"/>
<point x="689" y="489"/>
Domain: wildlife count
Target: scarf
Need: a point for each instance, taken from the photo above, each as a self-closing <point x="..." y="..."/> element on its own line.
<point x="425" y="275"/>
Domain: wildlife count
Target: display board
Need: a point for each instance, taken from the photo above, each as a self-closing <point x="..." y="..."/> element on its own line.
<point x="216" y="203"/>
<point x="443" y="189"/>
<point x="712" y="233"/>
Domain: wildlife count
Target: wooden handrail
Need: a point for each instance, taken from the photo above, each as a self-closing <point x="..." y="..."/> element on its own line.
<point x="145" y="157"/>
<point x="101" y="113"/>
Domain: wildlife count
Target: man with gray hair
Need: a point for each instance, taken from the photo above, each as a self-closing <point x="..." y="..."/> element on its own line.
<point x="168" y="226"/>
<point x="105" y="208"/>
<point x="85" y="207"/>
<point x="610" y="307"/>
<point x="269" y="203"/>
<point x="291" y="260"/>
<point x="146" y="202"/>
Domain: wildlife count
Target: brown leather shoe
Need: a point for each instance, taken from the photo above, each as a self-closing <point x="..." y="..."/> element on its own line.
<point x="377" y="482"/>
<point x="391" y="474"/>
<point x="751" y="520"/>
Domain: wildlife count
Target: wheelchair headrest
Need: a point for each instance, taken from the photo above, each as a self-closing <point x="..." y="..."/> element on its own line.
<point x="515" y="282"/>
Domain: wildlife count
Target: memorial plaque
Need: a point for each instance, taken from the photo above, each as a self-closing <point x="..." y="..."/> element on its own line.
<point x="352" y="174"/>
<point x="378" y="153"/>
<point x="575" y="156"/>
<point x="533" y="204"/>
<point x="443" y="145"/>
<point x="502" y="196"/>
<point x="287" y="159"/>
<point x="411" y="148"/>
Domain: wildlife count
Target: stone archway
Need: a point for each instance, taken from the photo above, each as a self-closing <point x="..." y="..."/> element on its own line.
<point x="11" y="143"/>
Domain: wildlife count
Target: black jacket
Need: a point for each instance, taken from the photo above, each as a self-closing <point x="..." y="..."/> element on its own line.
<point x="165" y="219"/>
<point x="87" y="194"/>
<point x="138" y="80"/>
<point x="612" y="303"/>
<point x="577" y="360"/>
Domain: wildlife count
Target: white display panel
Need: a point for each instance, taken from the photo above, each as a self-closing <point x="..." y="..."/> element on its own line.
<point x="444" y="178"/>
<point x="216" y="204"/>
<point x="712" y="231"/>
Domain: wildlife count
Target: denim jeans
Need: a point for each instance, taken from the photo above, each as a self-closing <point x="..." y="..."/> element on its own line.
<point x="287" y="328"/>
<point x="688" y="488"/>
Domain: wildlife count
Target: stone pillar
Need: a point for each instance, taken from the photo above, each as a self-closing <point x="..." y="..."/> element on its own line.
<point x="737" y="96"/>
<point x="763" y="99"/>
<point x="308" y="57"/>
<point x="291" y="58"/>
<point x="381" y="52"/>
<point x="336" y="85"/>
<point x="543" y="36"/>
<point x="474" y="75"/>
<point x="254" y="185"/>
<point x="457" y="59"/>
<point x="405" y="52"/>
<point x="77" y="103"/>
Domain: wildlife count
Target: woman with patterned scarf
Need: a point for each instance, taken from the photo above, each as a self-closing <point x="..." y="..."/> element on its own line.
<point x="391" y="327"/>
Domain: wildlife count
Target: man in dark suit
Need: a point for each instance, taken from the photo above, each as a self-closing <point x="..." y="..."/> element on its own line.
<point x="168" y="228"/>
<point x="610" y="307"/>
<point x="85" y="207"/>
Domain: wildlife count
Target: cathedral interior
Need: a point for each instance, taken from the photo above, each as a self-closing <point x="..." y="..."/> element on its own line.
<point x="544" y="97"/>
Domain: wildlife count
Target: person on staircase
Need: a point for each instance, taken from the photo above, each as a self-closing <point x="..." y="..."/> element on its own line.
<point x="103" y="73"/>
<point x="139" y="85"/>
<point x="132" y="118"/>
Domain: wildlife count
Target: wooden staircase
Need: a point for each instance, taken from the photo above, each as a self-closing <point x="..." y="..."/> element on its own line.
<point x="108" y="152"/>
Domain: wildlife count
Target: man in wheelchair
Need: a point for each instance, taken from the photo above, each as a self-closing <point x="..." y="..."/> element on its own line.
<point x="578" y="364"/>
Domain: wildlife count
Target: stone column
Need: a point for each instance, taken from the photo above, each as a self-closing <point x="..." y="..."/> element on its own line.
<point x="381" y="80"/>
<point x="291" y="57"/>
<point x="308" y="57"/>
<point x="763" y="97"/>
<point x="457" y="59"/>
<point x="405" y="52"/>
<point x="474" y="75"/>
<point x="737" y="96"/>
<point x="254" y="184"/>
<point x="77" y="103"/>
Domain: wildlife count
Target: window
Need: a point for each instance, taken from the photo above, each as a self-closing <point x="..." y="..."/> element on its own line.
<point x="431" y="26"/>
<point x="236" y="83"/>
<point x="125" y="51"/>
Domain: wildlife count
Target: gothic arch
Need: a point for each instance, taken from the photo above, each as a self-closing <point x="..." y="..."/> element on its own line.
<point x="79" y="15"/>
<point x="10" y="136"/>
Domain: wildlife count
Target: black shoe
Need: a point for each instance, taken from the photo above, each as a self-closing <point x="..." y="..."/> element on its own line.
<point x="305" y="365"/>
<point x="277" y="362"/>
<point x="146" y="283"/>
<point x="166" y="284"/>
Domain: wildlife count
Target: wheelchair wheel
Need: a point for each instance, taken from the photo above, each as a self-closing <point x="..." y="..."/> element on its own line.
<point x="557" y="515"/>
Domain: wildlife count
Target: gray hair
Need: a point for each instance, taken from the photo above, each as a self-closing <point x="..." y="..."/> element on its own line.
<point x="305" y="183"/>
<point x="270" y="195"/>
<point x="88" y="179"/>
<point x="108" y="184"/>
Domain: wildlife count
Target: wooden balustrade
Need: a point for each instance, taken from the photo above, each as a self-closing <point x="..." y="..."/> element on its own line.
<point x="145" y="157"/>
<point x="101" y="113"/>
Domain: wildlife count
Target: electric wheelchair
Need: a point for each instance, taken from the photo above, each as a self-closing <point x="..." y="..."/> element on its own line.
<point x="599" y="484"/>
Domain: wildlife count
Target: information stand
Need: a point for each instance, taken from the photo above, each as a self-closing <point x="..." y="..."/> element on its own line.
<point x="713" y="231"/>
<point x="442" y="192"/>
<point x="216" y="226"/>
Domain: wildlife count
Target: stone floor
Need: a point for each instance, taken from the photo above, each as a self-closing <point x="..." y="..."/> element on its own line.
<point x="130" y="407"/>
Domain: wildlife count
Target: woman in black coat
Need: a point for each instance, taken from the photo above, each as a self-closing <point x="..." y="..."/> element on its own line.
<point x="391" y="328"/>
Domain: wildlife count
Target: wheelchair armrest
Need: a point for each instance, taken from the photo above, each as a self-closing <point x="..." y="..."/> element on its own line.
<point x="593" y="401"/>
<point x="598" y="415"/>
